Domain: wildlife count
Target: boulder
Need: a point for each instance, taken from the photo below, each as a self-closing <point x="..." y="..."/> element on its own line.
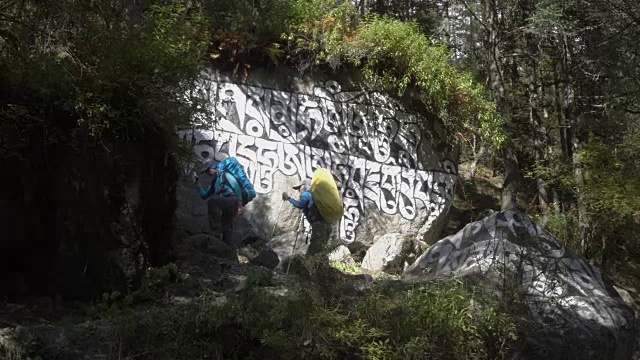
<point x="343" y="255"/>
<point x="624" y="294"/>
<point x="386" y="253"/>
<point x="194" y="225"/>
<point x="358" y="250"/>
<point x="576" y="312"/>
<point x="212" y="245"/>
<point x="426" y="223"/>
<point x="286" y="246"/>
<point x="266" y="258"/>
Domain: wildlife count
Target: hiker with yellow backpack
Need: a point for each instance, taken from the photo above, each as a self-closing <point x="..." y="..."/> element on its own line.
<point x="321" y="205"/>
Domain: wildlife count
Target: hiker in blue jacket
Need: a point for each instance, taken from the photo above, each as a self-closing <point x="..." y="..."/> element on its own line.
<point x="305" y="203"/>
<point x="228" y="197"/>
<point x="320" y="229"/>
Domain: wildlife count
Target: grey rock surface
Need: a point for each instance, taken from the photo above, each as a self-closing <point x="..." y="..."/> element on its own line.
<point x="342" y="254"/>
<point x="281" y="126"/>
<point x="386" y="252"/>
<point x="576" y="312"/>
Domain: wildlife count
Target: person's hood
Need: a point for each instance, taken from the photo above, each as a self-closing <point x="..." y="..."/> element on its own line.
<point x="209" y="164"/>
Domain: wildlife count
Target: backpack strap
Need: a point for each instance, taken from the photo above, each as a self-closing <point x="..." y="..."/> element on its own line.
<point x="314" y="214"/>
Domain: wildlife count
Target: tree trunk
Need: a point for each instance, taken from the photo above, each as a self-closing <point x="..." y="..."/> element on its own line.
<point x="511" y="179"/>
<point x="573" y="147"/>
<point x="134" y="10"/>
<point x="568" y="99"/>
<point x="361" y="7"/>
<point x="563" y="205"/>
<point x="562" y="127"/>
<point x="536" y="110"/>
<point x="583" y="219"/>
<point x="188" y="9"/>
<point x="496" y="77"/>
<point x="447" y="24"/>
<point x="474" y="164"/>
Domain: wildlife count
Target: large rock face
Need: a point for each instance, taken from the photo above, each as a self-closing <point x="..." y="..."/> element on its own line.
<point x="579" y="313"/>
<point x="283" y="127"/>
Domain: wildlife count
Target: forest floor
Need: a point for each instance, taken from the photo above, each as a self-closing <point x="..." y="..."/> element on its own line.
<point x="172" y="297"/>
<point x="158" y="321"/>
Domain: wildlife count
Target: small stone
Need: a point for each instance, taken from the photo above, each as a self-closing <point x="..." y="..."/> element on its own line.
<point x="343" y="255"/>
<point x="267" y="258"/>
<point x="386" y="252"/>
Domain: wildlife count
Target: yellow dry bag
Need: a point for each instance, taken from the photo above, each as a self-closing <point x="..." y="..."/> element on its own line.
<point x="326" y="196"/>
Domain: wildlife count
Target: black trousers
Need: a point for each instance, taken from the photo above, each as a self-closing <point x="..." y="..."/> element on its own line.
<point x="222" y="212"/>
<point x="320" y="234"/>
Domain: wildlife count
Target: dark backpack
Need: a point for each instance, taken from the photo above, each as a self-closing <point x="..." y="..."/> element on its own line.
<point x="312" y="211"/>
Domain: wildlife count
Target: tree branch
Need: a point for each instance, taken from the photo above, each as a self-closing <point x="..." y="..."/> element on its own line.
<point x="474" y="14"/>
<point x="630" y="14"/>
<point x="616" y="34"/>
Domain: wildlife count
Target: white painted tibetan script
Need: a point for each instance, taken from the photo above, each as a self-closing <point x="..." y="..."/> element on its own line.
<point x="364" y="138"/>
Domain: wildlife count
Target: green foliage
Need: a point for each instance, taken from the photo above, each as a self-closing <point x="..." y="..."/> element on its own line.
<point x="559" y="177"/>
<point x="115" y="305"/>
<point x="388" y="321"/>
<point x="395" y="55"/>
<point x="564" y="226"/>
<point x="86" y="64"/>
<point x="157" y="284"/>
<point x="118" y="76"/>
<point x="610" y="192"/>
<point x="258" y="276"/>
<point x="383" y="320"/>
<point x="245" y="32"/>
<point x="354" y="269"/>
<point x="160" y="283"/>
<point x="157" y="279"/>
<point x="424" y="13"/>
<point x="261" y="19"/>
<point x="612" y="178"/>
<point x="612" y="197"/>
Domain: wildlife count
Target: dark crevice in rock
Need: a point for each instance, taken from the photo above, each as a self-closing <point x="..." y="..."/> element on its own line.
<point x="81" y="217"/>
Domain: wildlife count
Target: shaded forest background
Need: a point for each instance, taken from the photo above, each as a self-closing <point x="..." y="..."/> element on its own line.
<point x="543" y="93"/>
<point x="540" y="96"/>
<point x="564" y="78"/>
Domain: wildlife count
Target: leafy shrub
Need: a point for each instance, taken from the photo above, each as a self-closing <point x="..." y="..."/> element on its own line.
<point x="383" y="320"/>
<point x="115" y="304"/>
<point x="85" y="63"/>
<point x="354" y="269"/>
<point x="609" y="196"/>
<point x="390" y="320"/>
<point x="396" y="55"/>
<point x="563" y="226"/>
<point x="428" y="321"/>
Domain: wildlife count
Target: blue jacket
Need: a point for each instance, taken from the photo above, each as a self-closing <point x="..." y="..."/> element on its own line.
<point x="308" y="207"/>
<point x="222" y="188"/>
